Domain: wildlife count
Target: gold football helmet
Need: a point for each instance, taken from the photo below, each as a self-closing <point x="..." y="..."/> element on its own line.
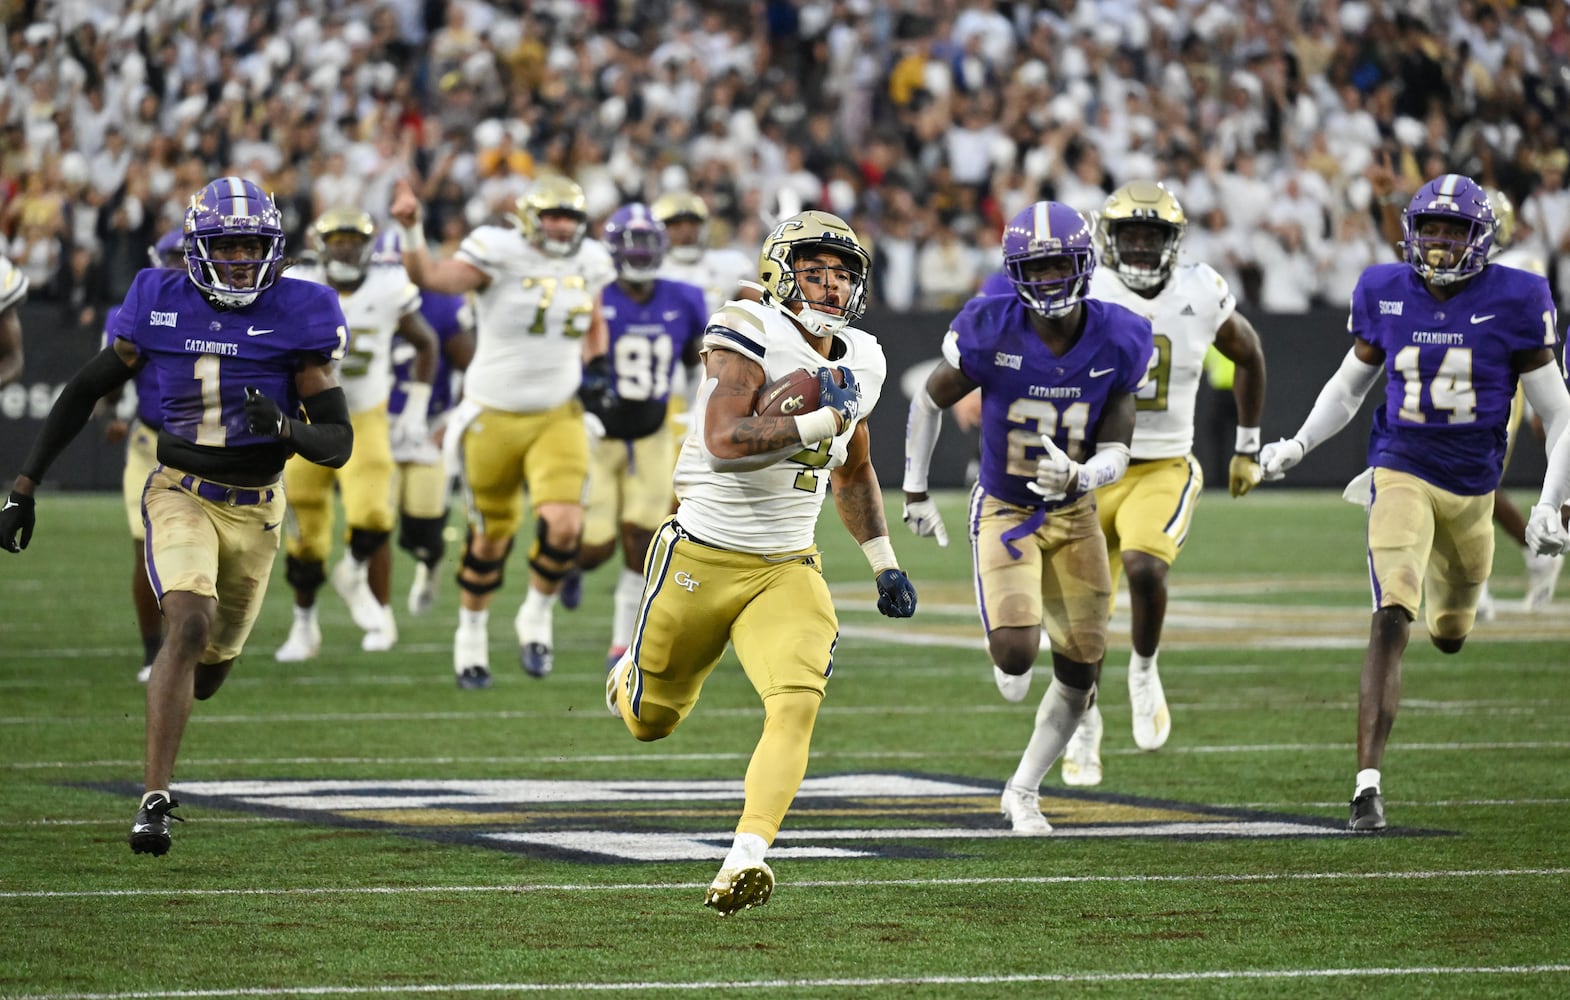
<point x="1504" y="218"/>
<point x="808" y="232"/>
<point x="552" y="193"/>
<point x="344" y="259"/>
<point x="1148" y="262"/>
<point x="681" y="206"/>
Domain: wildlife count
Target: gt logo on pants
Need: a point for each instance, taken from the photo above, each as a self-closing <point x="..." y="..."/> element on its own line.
<point x="685" y="581"/>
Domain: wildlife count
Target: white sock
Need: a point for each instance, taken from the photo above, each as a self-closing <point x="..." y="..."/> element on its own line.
<point x="305" y="617"/>
<point x="747" y="849"/>
<point x="1368" y="777"/>
<point x="1142" y="663"/>
<point x="474" y="621"/>
<point x="629" y="595"/>
<point x="1056" y="719"/>
<point x="534" y="616"/>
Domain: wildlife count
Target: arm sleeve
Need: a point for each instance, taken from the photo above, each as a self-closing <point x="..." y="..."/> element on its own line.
<point x="103" y="374"/>
<point x="921" y="437"/>
<point x="328" y="439"/>
<point x="1338" y="401"/>
<point x="1546" y="391"/>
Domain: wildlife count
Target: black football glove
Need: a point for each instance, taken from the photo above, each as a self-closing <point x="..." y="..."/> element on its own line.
<point x="840" y="397"/>
<point x="16" y="522"/>
<point x="262" y="415"/>
<point x="896" y="594"/>
<point x="597" y="391"/>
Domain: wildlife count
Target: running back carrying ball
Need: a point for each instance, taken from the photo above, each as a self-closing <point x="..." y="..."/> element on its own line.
<point x="792" y="395"/>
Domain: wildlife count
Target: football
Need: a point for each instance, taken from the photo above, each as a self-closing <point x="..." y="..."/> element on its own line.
<point x="790" y="396"/>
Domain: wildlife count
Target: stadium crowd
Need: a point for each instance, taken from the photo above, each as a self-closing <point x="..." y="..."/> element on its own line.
<point x="1280" y="124"/>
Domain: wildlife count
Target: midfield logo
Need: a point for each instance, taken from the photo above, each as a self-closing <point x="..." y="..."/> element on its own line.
<point x="861" y="815"/>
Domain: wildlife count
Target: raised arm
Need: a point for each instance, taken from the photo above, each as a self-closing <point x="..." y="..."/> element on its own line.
<point x="450" y="276"/>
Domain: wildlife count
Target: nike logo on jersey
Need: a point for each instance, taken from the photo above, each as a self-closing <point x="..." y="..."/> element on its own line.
<point x="1098" y="372"/>
<point x="1476" y="319"/>
<point x="270" y="527"/>
<point x="252" y="331"/>
<point x="671" y="314"/>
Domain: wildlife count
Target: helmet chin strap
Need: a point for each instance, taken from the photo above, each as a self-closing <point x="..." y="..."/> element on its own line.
<point x="820" y="325"/>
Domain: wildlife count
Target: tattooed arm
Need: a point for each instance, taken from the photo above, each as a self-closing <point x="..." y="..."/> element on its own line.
<point x="856" y="490"/>
<point x="736" y="439"/>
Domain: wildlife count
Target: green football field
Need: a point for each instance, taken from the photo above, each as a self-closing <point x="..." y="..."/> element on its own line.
<point x="357" y="826"/>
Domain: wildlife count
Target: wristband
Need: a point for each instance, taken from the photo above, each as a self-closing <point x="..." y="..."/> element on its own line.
<point x="1247" y="441"/>
<point x="819" y="425"/>
<point x="417" y="398"/>
<point x="413" y="236"/>
<point x="879" y="553"/>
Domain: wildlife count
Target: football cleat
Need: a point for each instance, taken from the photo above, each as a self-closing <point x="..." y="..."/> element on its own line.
<point x="422" y="591"/>
<point x="150" y="829"/>
<point x="474" y="679"/>
<point x="304" y="642"/>
<point x="614" y="656"/>
<point x="1082" y="756"/>
<point x="737" y="889"/>
<point x="536" y="659"/>
<point x="1013" y="687"/>
<point x="1152" y="721"/>
<point x="622" y="673"/>
<point x="1542" y="575"/>
<point x="470" y="649"/>
<point x="1368" y="811"/>
<point x="383" y="638"/>
<point x="145" y="673"/>
<point x="571" y="593"/>
<point x="1022" y="808"/>
<point x="1486" y="610"/>
<point x="348" y="579"/>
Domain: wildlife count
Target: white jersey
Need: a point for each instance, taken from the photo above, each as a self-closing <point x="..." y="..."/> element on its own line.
<point x="774" y="509"/>
<point x="530" y="320"/>
<point x="373" y="312"/>
<point x="719" y="272"/>
<point x="13" y="285"/>
<point x="1522" y="257"/>
<point x="1184" y="317"/>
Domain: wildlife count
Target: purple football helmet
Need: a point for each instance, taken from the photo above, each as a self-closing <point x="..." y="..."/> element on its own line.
<point x="1455" y="198"/>
<point x="227" y="209"/>
<point x="169" y="251"/>
<point x="637" y="241"/>
<point x="1049" y="231"/>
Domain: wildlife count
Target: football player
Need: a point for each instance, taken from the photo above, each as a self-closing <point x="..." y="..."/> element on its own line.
<point x="654" y="325"/>
<point x="1452" y="335"/>
<point x="536" y="288"/>
<point x="1146" y="514"/>
<point x="13" y="292"/>
<point x="138" y="427"/>
<point x="1058" y="372"/>
<point x="238" y="352"/>
<point x="378" y="303"/>
<point x="737" y="564"/>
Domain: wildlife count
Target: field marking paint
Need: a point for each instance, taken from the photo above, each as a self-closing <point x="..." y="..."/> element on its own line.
<point x="399" y="890"/>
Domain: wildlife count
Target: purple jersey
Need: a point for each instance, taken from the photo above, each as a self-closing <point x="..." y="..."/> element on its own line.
<point x="997" y="283"/>
<point x="446" y="315"/>
<point x="203" y="358"/>
<point x="1447" y="364"/>
<point x="1027" y="391"/>
<point x="646" y="341"/>
<point x="145" y="381"/>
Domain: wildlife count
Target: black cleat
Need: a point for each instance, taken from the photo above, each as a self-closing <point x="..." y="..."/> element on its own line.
<point x="536" y="659"/>
<point x="150" y="830"/>
<point x="474" y="678"/>
<point x="571" y="592"/>
<point x="1368" y="811"/>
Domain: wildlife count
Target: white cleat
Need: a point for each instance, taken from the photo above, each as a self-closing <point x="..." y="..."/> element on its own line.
<point x="1013" y="687"/>
<point x="380" y="640"/>
<point x="348" y="579"/>
<point x="1542" y="575"/>
<point x="422" y="592"/>
<point x="1486" y="611"/>
<point x="1022" y="808"/>
<point x="737" y="889"/>
<point x="145" y="673"/>
<point x="304" y="642"/>
<point x="1082" y="756"/>
<point x="616" y="681"/>
<point x="1152" y="721"/>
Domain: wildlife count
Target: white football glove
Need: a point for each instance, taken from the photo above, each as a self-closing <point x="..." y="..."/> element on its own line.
<point x="1279" y="456"/>
<point x="1056" y="473"/>
<point x="922" y="518"/>
<point x="594" y="426"/>
<point x="1545" y="532"/>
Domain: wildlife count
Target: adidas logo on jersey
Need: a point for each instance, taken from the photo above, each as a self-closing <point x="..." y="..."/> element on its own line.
<point x="1188" y="310"/>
